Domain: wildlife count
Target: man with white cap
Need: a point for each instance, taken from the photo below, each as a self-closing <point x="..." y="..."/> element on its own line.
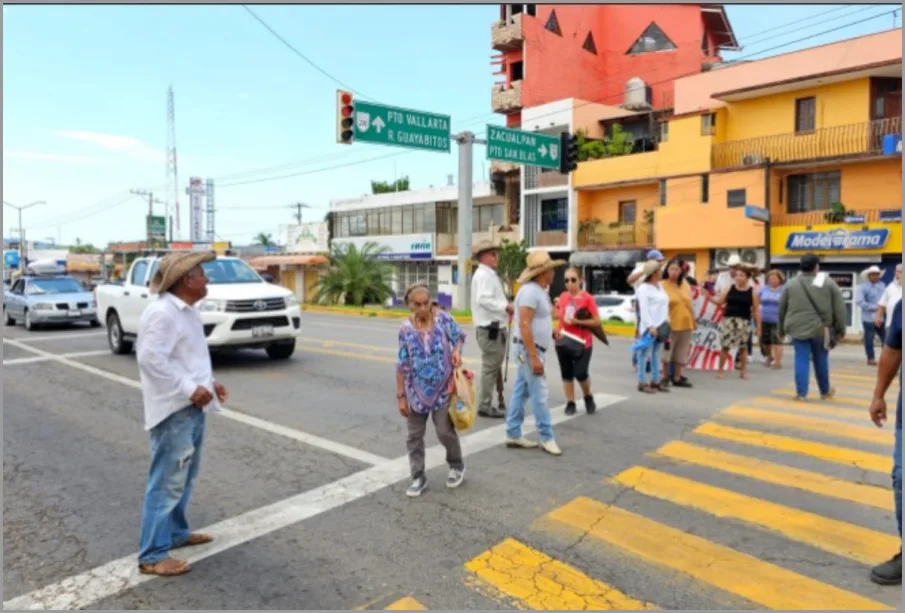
<point x="490" y="311"/>
<point x="890" y="299"/>
<point x="726" y="278"/>
<point x="178" y="386"/>
<point x="867" y="297"/>
<point x="532" y="338"/>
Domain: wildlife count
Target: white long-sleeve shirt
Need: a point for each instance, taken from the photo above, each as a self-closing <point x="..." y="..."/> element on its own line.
<point x="173" y="358"/>
<point x="891" y="296"/>
<point x="653" y="306"/>
<point x="488" y="301"/>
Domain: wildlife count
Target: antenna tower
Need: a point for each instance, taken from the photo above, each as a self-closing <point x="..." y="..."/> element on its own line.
<point x="172" y="198"/>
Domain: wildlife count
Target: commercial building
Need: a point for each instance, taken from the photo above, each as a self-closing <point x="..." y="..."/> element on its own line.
<point x="801" y="134"/>
<point x="418" y="231"/>
<point x="298" y="265"/>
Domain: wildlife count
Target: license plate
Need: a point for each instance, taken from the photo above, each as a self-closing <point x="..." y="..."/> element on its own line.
<point x="262" y="331"/>
<point x="75" y="313"/>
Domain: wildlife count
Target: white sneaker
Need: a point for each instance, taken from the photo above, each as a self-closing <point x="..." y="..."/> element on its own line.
<point x="551" y="447"/>
<point x="455" y="478"/>
<point x="520" y="443"/>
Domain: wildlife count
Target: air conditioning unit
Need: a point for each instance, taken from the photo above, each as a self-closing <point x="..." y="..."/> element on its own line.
<point x="637" y="94"/>
<point x="751" y="159"/>
<point x="722" y="257"/>
<point x="751" y="257"/>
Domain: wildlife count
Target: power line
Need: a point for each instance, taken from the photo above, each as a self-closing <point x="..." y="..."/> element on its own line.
<point x="300" y="54"/>
<point x="797" y="22"/>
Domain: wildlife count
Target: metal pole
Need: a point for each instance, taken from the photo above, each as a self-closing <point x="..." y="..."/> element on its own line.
<point x="767" y="181"/>
<point x="466" y="159"/>
<point x="21" y="243"/>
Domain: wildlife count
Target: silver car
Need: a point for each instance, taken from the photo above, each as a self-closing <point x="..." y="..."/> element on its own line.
<point x="43" y="300"/>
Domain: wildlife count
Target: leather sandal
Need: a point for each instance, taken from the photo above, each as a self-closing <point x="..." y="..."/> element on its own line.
<point x="168" y="567"/>
<point x="195" y="539"/>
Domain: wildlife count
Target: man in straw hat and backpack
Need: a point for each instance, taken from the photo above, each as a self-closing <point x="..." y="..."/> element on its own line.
<point x="178" y="386"/>
<point x="532" y="338"/>
<point x="490" y="312"/>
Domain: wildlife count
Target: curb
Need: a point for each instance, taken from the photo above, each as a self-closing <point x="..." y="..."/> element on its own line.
<point x="612" y="330"/>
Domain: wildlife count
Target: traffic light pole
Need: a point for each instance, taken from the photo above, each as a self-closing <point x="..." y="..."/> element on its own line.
<point x="466" y="142"/>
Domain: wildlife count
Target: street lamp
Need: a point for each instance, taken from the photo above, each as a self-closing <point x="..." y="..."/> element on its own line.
<point x="21" y="231"/>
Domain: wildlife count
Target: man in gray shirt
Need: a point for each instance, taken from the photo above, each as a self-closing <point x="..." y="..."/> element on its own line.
<point x="532" y="337"/>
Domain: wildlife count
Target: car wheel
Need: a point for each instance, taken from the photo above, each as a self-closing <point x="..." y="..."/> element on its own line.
<point x="281" y="351"/>
<point x="29" y="324"/>
<point x="9" y="320"/>
<point x="118" y="345"/>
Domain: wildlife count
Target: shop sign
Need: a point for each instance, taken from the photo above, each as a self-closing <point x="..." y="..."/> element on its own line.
<point x="838" y="240"/>
<point x="402" y="247"/>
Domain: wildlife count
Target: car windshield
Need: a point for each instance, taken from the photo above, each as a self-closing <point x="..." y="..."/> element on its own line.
<point x="230" y="271"/>
<point x="54" y="286"/>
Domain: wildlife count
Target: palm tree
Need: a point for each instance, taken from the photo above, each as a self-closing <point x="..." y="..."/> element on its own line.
<point x="264" y="239"/>
<point x="356" y="276"/>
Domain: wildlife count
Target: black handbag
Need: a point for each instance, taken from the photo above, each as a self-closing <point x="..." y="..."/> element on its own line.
<point x="598" y="332"/>
<point x="663" y="331"/>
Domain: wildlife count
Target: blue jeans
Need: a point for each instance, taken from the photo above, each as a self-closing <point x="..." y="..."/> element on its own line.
<point x="897" y="473"/>
<point x="807" y="350"/>
<point x="870" y="332"/>
<point x="529" y="386"/>
<point x="652" y="353"/>
<point x="175" y="460"/>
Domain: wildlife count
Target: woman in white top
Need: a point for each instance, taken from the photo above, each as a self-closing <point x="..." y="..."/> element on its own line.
<point x="653" y="313"/>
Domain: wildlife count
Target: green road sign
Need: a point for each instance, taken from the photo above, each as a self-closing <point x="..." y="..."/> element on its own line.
<point x="389" y="125"/>
<point x="519" y="147"/>
<point x="157" y="227"/>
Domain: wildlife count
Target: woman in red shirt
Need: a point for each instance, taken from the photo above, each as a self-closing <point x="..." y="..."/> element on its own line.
<point x="577" y="314"/>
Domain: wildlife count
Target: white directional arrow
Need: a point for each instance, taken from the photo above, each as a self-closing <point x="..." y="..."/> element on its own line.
<point x="543" y="151"/>
<point x="378" y="124"/>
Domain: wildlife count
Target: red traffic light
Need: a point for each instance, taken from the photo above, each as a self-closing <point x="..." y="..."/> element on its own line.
<point x="346" y="111"/>
<point x="346" y="98"/>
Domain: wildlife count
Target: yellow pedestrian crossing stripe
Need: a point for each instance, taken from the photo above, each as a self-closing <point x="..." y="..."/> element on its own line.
<point x="829" y="453"/>
<point x="406" y="604"/>
<point x="849" y="400"/>
<point x="866" y="434"/>
<point x="777" y="474"/>
<point x="760" y="582"/>
<point x="837" y="537"/>
<point x="542" y="583"/>
<point x="809" y="407"/>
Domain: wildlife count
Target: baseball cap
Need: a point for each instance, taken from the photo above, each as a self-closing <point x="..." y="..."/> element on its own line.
<point x="655" y="254"/>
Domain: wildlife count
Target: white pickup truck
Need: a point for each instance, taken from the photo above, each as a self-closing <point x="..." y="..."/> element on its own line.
<point x="241" y="310"/>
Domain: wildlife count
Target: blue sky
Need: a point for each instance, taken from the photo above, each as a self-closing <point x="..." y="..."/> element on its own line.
<point x="84" y="108"/>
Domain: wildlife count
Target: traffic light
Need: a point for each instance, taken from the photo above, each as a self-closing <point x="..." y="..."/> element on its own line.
<point x="568" y="160"/>
<point x="344" y="120"/>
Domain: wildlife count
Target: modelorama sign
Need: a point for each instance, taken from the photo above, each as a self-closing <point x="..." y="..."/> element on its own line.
<point x="403" y="247"/>
<point x="838" y="240"/>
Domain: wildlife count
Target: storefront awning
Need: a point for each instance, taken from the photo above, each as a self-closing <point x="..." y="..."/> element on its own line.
<point x="607" y="258"/>
<point x="287" y="260"/>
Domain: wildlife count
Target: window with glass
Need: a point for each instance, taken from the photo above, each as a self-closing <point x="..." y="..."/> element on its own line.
<point x="814" y="191"/>
<point x="554" y="214"/>
<point x="627" y="210"/>
<point x="483" y="216"/>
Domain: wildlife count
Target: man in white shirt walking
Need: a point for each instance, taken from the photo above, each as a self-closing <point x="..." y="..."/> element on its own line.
<point x="178" y="386"/>
<point x="891" y="296"/>
<point x="490" y="312"/>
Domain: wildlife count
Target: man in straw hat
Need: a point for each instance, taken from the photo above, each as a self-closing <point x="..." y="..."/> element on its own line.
<point x="177" y="385"/>
<point x="490" y="311"/>
<point x="532" y="336"/>
<point x="867" y="297"/>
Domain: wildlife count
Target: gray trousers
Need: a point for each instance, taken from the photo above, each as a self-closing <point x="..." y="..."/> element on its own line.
<point x="493" y="353"/>
<point x="446" y="432"/>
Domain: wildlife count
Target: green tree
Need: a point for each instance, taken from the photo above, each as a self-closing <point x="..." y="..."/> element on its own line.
<point x="383" y="187"/>
<point x="264" y="239"/>
<point x="356" y="276"/>
<point x="513" y="260"/>
<point x="619" y="142"/>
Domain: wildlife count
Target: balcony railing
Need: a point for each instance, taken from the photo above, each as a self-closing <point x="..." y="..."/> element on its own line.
<point x="507" y="34"/>
<point x="840" y="141"/>
<point x="811" y="218"/>
<point x="616" y="235"/>
<point x="504" y="99"/>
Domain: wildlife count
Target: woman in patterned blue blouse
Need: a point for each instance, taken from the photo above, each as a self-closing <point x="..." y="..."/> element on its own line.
<point x="430" y="345"/>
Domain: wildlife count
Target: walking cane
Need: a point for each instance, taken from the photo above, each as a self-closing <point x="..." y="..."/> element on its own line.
<point x="508" y="343"/>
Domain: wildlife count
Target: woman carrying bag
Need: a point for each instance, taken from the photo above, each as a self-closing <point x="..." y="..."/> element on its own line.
<point x="653" y="309"/>
<point x="577" y="313"/>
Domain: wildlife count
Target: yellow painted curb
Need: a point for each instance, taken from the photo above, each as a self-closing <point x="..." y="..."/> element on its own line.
<point x="611" y="329"/>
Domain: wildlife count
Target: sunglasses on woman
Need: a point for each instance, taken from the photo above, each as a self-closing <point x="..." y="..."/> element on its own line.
<point x="572" y="280"/>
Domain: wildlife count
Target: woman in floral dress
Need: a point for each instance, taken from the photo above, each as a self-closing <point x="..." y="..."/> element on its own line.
<point x="430" y="345"/>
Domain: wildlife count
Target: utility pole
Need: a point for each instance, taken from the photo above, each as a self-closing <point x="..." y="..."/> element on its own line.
<point x="22" y="250"/>
<point x="298" y="215"/>
<point x="466" y="141"/>
<point x="151" y="201"/>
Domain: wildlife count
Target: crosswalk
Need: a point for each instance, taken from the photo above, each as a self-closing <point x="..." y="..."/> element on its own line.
<point x="811" y="477"/>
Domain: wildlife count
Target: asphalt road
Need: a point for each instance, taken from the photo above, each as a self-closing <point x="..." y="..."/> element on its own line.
<point x="727" y="496"/>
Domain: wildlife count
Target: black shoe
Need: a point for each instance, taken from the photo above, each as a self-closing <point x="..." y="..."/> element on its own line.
<point x="589" y="405"/>
<point x="570" y="408"/>
<point x="681" y="382"/>
<point x="493" y="413"/>
<point x="888" y="573"/>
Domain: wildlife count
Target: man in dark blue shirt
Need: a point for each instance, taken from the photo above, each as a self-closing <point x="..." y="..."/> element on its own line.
<point x="890" y="573"/>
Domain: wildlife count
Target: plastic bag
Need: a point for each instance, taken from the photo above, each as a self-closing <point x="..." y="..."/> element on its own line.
<point x="462" y="400"/>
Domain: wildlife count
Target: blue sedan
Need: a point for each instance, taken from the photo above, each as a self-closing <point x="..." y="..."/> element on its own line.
<point x="44" y="300"/>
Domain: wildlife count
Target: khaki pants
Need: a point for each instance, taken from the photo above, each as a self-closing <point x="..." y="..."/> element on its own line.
<point x="493" y="353"/>
<point x="446" y="432"/>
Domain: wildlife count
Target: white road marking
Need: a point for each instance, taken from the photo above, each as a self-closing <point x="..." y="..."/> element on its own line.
<point x="303" y="437"/>
<point x="83" y="590"/>
<point x="54" y="337"/>
<point x="77" y="354"/>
